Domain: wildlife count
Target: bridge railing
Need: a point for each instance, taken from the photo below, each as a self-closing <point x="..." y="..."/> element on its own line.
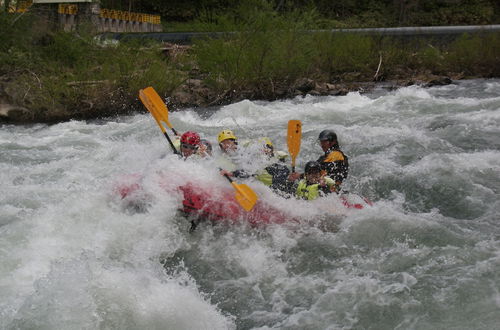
<point x="108" y="20"/>
<point x="129" y="16"/>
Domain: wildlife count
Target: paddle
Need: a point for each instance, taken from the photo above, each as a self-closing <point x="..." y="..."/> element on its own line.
<point x="158" y="103"/>
<point x="293" y="139"/>
<point x="244" y="195"/>
<point x="158" y="112"/>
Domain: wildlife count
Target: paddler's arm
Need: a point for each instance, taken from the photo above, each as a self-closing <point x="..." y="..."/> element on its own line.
<point x="294" y="176"/>
<point x="177" y="143"/>
<point x="241" y="174"/>
<point x="237" y="174"/>
<point x="328" y="186"/>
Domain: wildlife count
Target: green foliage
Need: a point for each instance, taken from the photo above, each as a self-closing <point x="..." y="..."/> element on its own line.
<point x="60" y="70"/>
<point x="264" y="50"/>
<point x="14" y="39"/>
<point x="268" y="50"/>
<point x="214" y="15"/>
<point x="70" y="50"/>
<point x="473" y="55"/>
<point x="9" y="31"/>
<point x="335" y="54"/>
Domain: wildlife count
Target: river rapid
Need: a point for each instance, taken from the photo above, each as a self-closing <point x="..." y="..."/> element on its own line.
<point x="426" y="255"/>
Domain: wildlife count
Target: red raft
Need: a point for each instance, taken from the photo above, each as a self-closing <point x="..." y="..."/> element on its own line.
<point x="224" y="207"/>
<point x="221" y="205"/>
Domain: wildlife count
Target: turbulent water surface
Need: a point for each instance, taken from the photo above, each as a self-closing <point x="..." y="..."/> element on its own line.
<point x="426" y="255"/>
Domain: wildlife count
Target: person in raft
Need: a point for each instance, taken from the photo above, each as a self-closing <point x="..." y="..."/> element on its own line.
<point x="205" y="149"/>
<point x="315" y="183"/>
<point x="334" y="163"/>
<point x="228" y="143"/>
<point x="275" y="175"/>
<point x="189" y="144"/>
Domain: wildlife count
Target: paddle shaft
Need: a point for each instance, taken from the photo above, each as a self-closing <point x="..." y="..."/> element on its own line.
<point x="171" y="144"/>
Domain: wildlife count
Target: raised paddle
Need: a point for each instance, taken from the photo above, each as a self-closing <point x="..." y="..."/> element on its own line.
<point x="157" y="115"/>
<point x="293" y="139"/>
<point x="159" y="105"/>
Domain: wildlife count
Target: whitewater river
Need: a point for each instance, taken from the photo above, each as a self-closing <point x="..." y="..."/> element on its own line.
<point x="426" y="255"/>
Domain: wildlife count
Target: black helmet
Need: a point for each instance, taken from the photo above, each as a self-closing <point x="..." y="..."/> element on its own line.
<point x="312" y="167"/>
<point x="327" y="135"/>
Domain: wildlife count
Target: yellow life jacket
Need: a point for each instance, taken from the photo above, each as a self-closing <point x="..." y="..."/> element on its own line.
<point x="334" y="156"/>
<point x="335" y="164"/>
<point x="312" y="191"/>
<point x="264" y="177"/>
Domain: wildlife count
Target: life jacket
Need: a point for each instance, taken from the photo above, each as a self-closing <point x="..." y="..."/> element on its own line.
<point x="275" y="177"/>
<point x="265" y="177"/>
<point x="335" y="164"/>
<point x="279" y="173"/>
<point x="313" y="191"/>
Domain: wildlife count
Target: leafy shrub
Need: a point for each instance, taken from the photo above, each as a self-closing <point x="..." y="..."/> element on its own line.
<point x="473" y="55"/>
<point x="335" y="54"/>
<point x="267" y="50"/>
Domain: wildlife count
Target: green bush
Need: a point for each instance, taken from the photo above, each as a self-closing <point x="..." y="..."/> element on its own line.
<point x="267" y="50"/>
<point x="338" y="53"/>
<point x="475" y="55"/>
<point x="59" y="70"/>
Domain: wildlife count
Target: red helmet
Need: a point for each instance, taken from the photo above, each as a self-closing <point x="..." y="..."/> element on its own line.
<point x="191" y="138"/>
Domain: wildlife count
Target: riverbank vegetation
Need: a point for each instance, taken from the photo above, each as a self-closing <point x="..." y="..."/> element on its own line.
<point x="213" y="15"/>
<point x="271" y="53"/>
<point x="49" y="76"/>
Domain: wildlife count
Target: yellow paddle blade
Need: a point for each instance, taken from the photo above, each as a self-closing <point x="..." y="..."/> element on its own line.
<point x="151" y="108"/>
<point x="245" y="196"/>
<point x="156" y="115"/>
<point x="159" y="106"/>
<point x="293" y="138"/>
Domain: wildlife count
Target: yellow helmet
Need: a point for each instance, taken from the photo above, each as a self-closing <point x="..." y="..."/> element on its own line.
<point x="226" y="134"/>
<point x="266" y="142"/>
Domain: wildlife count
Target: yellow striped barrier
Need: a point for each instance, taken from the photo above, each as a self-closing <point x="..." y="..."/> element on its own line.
<point x="72" y="9"/>
<point x="67" y="9"/>
<point x="20" y="7"/>
<point x="129" y="16"/>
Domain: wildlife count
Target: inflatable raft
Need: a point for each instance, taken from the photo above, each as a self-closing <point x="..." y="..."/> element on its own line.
<point x="219" y="204"/>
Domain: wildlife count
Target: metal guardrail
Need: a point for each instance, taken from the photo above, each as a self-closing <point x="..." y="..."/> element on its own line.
<point x="423" y="30"/>
<point x="187" y="37"/>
